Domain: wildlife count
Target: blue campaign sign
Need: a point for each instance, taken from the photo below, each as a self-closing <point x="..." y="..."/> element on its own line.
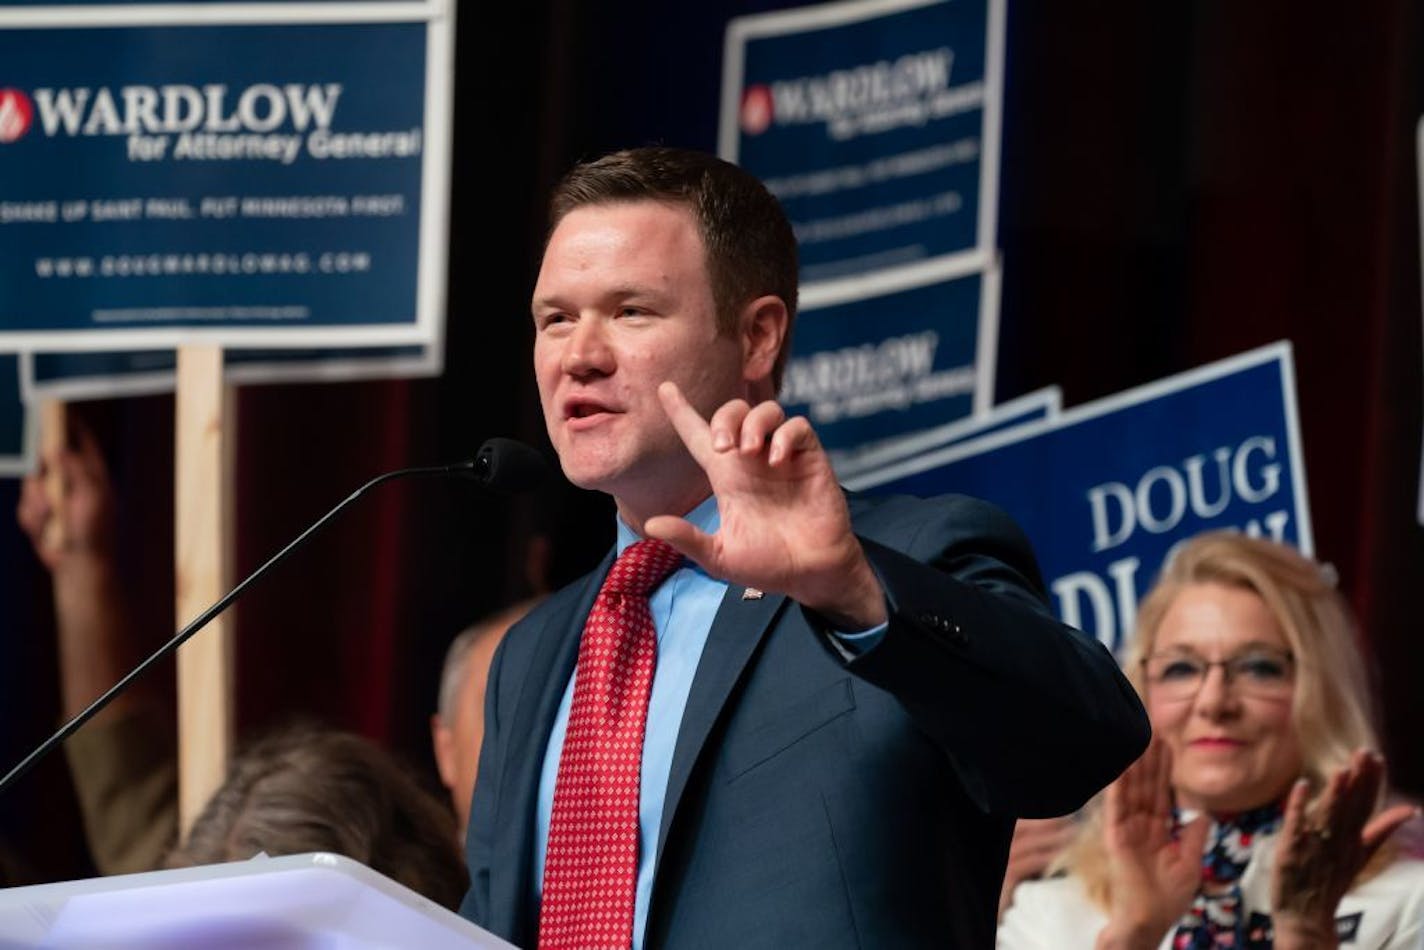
<point x="875" y="123"/>
<point x="129" y="3"/>
<point x="866" y="372"/>
<point x="70" y="376"/>
<point x="253" y="184"/>
<point x="1023" y="410"/>
<point x="17" y="430"/>
<point x="1108" y="488"/>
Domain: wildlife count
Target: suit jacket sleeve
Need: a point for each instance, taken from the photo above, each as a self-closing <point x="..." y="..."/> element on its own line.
<point x="1035" y="716"/>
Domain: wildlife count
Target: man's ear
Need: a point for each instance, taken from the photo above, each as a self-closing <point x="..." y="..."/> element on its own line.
<point x="443" y="740"/>
<point x="763" y="326"/>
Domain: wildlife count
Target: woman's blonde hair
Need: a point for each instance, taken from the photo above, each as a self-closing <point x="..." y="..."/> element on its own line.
<point x="1331" y="710"/>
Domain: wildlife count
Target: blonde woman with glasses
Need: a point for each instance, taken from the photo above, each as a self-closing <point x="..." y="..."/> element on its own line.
<point x="1255" y="819"/>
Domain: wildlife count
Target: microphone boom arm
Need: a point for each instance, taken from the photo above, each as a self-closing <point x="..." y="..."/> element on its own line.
<point x="69" y="728"/>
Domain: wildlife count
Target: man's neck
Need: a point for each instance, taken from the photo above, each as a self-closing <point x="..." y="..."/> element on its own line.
<point x="636" y="511"/>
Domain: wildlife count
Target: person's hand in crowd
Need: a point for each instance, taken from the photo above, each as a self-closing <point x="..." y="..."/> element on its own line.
<point x="1153" y="875"/>
<point x="1324" y="846"/>
<point x="1036" y="842"/>
<point x="85" y="512"/>
<point x="784" y="521"/>
<point x="95" y="646"/>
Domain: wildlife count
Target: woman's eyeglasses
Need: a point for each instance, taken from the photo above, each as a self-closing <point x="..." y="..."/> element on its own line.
<point x="1259" y="672"/>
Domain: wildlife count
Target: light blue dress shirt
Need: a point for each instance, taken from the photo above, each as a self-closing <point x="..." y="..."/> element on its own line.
<point x="683" y="609"/>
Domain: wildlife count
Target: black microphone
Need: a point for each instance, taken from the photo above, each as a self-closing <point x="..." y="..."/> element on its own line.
<point x="502" y="465"/>
<point x="505" y="465"/>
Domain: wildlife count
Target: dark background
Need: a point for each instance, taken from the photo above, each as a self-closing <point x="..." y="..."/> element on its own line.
<point x="1180" y="182"/>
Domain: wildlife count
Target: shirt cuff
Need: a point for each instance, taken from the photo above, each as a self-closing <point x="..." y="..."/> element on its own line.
<point x="852" y="645"/>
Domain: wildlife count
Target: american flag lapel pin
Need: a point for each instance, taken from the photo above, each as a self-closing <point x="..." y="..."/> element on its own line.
<point x="751" y="593"/>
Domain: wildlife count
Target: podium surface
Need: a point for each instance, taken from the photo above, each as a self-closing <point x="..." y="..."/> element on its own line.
<point x="297" y="901"/>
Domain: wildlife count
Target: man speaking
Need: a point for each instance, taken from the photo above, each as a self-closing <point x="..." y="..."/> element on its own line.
<point x="775" y="716"/>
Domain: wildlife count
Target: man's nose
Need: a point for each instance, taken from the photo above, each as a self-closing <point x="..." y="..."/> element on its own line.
<point x="587" y="350"/>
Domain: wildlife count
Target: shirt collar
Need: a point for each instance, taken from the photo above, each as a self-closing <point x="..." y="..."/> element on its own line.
<point x="705" y="517"/>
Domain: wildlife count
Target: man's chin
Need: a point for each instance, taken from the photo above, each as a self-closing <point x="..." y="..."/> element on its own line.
<point x="651" y="476"/>
<point x="588" y="474"/>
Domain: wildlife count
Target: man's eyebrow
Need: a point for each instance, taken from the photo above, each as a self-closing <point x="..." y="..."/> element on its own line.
<point x="641" y="291"/>
<point x="611" y="295"/>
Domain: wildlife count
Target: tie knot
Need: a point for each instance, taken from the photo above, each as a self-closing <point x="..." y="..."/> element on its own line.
<point x="642" y="567"/>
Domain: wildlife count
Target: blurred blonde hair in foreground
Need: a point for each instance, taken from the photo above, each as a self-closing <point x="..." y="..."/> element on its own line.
<point x="311" y="789"/>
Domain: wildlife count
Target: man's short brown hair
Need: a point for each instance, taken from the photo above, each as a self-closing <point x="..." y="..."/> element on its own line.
<point x="751" y="250"/>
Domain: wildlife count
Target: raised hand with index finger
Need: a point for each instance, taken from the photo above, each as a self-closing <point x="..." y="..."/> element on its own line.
<point x="784" y="522"/>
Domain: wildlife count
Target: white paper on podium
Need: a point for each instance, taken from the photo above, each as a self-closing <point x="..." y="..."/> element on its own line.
<point x="302" y="901"/>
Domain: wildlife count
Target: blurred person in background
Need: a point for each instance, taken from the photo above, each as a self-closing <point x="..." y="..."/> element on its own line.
<point x="1255" y="819"/>
<point x="124" y="760"/>
<point x="457" y="726"/>
<point x="305" y="789"/>
<point x="1036" y="845"/>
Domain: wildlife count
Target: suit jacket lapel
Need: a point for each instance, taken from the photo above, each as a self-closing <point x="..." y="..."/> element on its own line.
<point x="554" y="661"/>
<point x="736" y="631"/>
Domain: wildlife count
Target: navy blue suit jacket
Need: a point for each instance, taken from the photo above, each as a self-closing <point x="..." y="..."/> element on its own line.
<point x="815" y="802"/>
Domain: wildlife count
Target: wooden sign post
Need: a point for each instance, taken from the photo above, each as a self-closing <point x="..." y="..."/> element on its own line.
<point x="202" y="520"/>
<point x="54" y="437"/>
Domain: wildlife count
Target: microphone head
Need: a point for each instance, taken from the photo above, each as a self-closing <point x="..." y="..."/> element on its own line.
<point x="507" y="465"/>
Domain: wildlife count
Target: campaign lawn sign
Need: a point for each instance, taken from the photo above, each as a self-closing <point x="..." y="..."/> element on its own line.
<point x="250" y="175"/>
<point x="18" y="430"/>
<point x="1106" y="489"/>
<point x="876" y="125"/>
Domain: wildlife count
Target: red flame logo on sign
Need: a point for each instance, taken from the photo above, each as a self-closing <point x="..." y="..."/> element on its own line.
<point x="15" y="115"/>
<point x="758" y="109"/>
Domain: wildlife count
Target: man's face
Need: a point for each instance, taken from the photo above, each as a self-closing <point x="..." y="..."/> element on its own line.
<point x="623" y="302"/>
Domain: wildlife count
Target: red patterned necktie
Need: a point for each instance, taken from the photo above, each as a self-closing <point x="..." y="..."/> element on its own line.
<point x="591" y="867"/>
